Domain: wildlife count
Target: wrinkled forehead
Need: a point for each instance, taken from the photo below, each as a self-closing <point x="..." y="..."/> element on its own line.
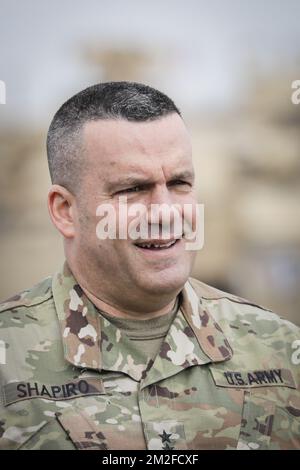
<point x="115" y="146"/>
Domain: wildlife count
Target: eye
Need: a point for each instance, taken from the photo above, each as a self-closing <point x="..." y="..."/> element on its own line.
<point x="179" y="183"/>
<point x="134" y="189"/>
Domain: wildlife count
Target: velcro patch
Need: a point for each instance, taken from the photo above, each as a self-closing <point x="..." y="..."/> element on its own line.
<point x="254" y="378"/>
<point x="18" y="391"/>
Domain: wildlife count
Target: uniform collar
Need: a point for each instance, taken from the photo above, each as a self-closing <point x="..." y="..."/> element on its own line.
<point x="92" y="342"/>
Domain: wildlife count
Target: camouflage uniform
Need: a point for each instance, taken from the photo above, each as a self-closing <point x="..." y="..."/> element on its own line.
<point x="224" y="377"/>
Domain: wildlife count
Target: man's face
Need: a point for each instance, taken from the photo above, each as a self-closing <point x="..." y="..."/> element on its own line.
<point x="149" y="163"/>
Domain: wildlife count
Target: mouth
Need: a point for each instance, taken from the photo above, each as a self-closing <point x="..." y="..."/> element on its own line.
<point x="157" y="245"/>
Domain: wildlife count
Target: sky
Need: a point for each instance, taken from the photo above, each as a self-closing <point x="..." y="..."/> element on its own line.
<point x="207" y="46"/>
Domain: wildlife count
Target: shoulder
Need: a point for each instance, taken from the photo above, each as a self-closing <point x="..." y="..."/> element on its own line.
<point x="28" y="322"/>
<point x="207" y="292"/>
<point x="30" y="299"/>
<point x="253" y="331"/>
<point x="234" y="308"/>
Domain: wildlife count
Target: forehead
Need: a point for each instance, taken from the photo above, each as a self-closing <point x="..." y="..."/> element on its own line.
<point x="117" y="146"/>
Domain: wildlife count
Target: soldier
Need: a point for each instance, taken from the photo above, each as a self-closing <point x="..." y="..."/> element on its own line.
<point x="121" y="349"/>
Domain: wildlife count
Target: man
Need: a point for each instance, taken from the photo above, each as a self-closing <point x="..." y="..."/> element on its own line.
<point x="121" y="349"/>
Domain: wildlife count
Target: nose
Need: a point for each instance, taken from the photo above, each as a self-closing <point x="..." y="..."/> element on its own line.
<point x="160" y="195"/>
<point x="162" y="211"/>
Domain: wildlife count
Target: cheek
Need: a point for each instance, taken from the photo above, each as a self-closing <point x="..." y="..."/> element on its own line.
<point x="86" y="228"/>
<point x="189" y="213"/>
<point x="86" y="216"/>
<point x="132" y="221"/>
<point x="123" y="221"/>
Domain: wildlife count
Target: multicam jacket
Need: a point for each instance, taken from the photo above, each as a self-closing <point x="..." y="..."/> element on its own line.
<point x="226" y="377"/>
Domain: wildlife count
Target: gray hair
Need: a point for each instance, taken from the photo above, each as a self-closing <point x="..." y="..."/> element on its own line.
<point x="112" y="100"/>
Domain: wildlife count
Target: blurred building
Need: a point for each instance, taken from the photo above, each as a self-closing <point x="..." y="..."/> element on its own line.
<point x="249" y="174"/>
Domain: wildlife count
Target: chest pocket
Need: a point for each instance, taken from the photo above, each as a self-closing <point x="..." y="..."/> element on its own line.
<point x="104" y="419"/>
<point x="49" y="436"/>
<point x="74" y="428"/>
<point x="270" y="414"/>
<point x="31" y="411"/>
<point x="268" y="424"/>
<point x="88" y="434"/>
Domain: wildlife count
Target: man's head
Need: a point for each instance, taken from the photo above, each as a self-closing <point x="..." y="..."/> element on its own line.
<point x="110" y="140"/>
<point x="105" y="101"/>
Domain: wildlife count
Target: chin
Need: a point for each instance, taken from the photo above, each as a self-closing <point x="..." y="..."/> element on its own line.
<point x="164" y="282"/>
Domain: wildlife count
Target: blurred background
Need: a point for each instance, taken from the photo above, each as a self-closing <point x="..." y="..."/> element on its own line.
<point x="227" y="64"/>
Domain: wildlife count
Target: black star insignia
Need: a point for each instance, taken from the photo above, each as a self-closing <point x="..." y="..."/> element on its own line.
<point x="165" y="437"/>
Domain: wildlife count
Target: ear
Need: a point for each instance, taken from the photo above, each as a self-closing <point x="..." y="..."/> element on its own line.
<point x="61" y="206"/>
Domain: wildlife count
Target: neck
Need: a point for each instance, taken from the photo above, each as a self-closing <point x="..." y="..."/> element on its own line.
<point x="122" y="303"/>
<point x="121" y="312"/>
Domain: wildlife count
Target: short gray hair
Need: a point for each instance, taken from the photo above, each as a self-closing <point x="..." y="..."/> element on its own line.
<point x="112" y="100"/>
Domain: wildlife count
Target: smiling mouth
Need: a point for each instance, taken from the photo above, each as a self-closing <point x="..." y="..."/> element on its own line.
<point x="157" y="245"/>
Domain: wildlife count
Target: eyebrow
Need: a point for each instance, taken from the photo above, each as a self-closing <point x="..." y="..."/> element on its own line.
<point x="183" y="175"/>
<point x="131" y="181"/>
<point x="126" y="181"/>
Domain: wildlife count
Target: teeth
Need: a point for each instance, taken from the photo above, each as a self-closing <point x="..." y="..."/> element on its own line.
<point x="151" y="245"/>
